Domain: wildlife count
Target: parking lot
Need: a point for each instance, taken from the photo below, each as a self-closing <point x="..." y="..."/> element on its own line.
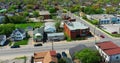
<point x="111" y="28"/>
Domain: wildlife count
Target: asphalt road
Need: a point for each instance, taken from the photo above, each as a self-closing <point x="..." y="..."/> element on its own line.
<point x="5" y="53"/>
<point x="9" y="53"/>
<point x="96" y="30"/>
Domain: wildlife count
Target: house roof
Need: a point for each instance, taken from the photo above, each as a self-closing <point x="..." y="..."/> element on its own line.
<point x="75" y="25"/>
<point x="101" y="16"/>
<point x="45" y="57"/>
<point x="44" y="13"/>
<point x="109" y="47"/>
<point x="49" y="24"/>
<point x="2" y="37"/>
<point x="76" y="49"/>
<point x="50" y="27"/>
<point x="113" y="51"/>
<point x="38" y="30"/>
<point x="19" y="29"/>
<point x="106" y="45"/>
<point x="53" y="53"/>
<point x="55" y="34"/>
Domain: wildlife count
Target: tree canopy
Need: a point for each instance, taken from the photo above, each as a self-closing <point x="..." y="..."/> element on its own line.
<point x="88" y="56"/>
<point x="14" y="19"/>
<point x="6" y="29"/>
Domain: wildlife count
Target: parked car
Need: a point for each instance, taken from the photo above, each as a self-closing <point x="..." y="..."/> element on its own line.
<point x="114" y="32"/>
<point x="58" y="55"/>
<point x="64" y="54"/>
<point x="17" y="46"/>
<point x="102" y="36"/>
<point x="37" y="44"/>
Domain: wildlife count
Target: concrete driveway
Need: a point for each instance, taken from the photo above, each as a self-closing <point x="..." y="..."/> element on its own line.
<point x="30" y="41"/>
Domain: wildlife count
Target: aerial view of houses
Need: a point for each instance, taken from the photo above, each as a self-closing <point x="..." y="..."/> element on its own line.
<point x="59" y="31"/>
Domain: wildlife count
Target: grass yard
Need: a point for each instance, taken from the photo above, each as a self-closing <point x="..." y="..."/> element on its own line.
<point x="114" y="35"/>
<point x="10" y="43"/>
<point x="22" y="42"/>
<point x="24" y="57"/>
<point x="24" y="25"/>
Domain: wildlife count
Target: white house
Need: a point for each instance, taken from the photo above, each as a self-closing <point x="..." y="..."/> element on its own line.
<point x="109" y="51"/>
<point x="2" y="39"/>
<point x="18" y="34"/>
<point x="38" y="34"/>
<point x="49" y="27"/>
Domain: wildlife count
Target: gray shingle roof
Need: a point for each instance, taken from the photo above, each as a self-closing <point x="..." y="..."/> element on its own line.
<point x="76" y="49"/>
<point x="18" y="29"/>
<point x="38" y="30"/>
<point x="1" y="37"/>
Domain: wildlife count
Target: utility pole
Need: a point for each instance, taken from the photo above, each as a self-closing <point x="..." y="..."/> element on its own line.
<point x="95" y="33"/>
<point x="119" y="29"/>
<point x="52" y="45"/>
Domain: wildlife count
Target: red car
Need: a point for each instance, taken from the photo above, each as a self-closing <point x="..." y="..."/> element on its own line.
<point x="102" y="36"/>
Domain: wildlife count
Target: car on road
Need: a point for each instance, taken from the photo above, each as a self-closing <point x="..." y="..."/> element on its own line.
<point x="17" y="46"/>
<point x="102" y="36"/>
<point x="64" y="54"/>
<point x="37" y="44"/>
<point x="114" y="32"/>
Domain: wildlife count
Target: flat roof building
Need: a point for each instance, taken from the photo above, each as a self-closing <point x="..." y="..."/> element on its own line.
<point x="75" y="29"/>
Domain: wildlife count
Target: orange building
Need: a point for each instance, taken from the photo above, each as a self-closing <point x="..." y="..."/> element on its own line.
<point x="45" y="57"/>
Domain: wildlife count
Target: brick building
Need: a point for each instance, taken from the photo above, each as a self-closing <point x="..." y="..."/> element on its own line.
<point x="76" y="29"/>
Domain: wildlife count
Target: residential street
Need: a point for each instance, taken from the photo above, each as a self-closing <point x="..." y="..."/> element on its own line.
<point x="6" y="53"/>
<point x="95" y="30"/>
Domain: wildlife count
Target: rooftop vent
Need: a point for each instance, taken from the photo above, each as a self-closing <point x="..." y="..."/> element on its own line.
<point x="70" y="24"/>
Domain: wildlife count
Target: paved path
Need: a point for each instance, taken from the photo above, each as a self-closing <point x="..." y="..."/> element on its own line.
<point x="30" y="41"/>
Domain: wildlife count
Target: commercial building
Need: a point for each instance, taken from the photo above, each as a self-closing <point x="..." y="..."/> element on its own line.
<point x="109" y="51"/>
<point x="76" y="29"/>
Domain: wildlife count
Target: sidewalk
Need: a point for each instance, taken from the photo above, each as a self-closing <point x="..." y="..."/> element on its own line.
<point x="92" y="39"/>
<point x="30" y="41"/>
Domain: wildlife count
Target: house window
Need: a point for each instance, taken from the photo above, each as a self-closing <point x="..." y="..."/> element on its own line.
<point x="117" y="57"/>
<point x="18" y="34"/>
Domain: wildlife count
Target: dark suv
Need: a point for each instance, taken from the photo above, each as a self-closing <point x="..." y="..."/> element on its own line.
<point x="17" y="46"/>
<point x="37" y="44"/>
<point x="64" y="54"/>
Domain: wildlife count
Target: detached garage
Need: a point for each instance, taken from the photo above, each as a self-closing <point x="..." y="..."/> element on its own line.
<point x="55" y="36"/>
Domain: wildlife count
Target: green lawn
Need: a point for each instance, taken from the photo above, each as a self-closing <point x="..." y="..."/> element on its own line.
<point x="114" y="35"/>
<point x="24" y="57"/>
<point x="22" y="42"/>
<point x="24" y="25"/>
<point x="10" y="43"/>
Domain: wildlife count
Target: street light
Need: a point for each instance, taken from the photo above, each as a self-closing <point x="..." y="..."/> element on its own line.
<point x="52" y="45"/>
